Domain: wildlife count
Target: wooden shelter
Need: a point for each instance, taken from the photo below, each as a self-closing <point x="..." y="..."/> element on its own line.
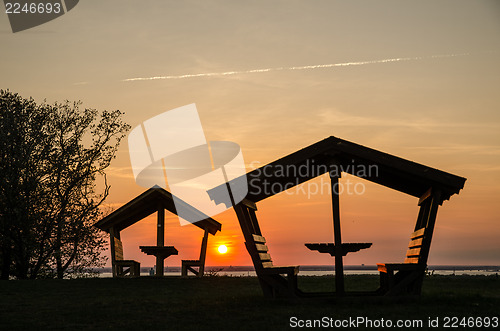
<point x="333" y="155"/>
<point x="153" y="200"/>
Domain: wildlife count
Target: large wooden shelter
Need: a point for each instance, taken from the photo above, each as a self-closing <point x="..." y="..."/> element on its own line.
<point x="154" y="200"/>
<point x="334" y="155"/>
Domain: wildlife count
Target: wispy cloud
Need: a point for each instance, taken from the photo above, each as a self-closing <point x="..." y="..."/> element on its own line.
<point x="492" y="150"/>
<point x="308" y="67"/>
<point x="120" y="172"/>
<point x="334" y="117"/>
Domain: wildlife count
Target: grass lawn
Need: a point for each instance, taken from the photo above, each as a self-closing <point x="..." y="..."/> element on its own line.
<point x="224" y="303"/>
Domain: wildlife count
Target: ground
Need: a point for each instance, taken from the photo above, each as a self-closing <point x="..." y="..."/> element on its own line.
<point x="226" y="303"/>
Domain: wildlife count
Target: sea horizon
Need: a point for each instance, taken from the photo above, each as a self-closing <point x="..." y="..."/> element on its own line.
<point x="316" y="270"/>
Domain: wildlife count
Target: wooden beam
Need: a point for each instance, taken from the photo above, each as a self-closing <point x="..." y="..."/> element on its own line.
<point x="425" y="196"/>
<point x="249" y="204"/>
<point x="112" y="235"/>
<point x="254" y="221"/>
<point x="242" y="215"/>
<point x="203" y="254"/>
<point x="160" y="239"/>
<point x="430" y="219"/>
<point x="422" y="214"/>
<point x="160" y="231"/>
<point x="337" y="235"/>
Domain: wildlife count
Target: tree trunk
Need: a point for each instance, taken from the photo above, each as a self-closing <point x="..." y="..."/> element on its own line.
<point x="21" y="267"/>
<point x="59" y="265"/>
<point x="6" y="260"/>
<point x="20" y="259"/>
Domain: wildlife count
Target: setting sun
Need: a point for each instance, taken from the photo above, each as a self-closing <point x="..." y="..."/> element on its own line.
<point x="222" y="249"/>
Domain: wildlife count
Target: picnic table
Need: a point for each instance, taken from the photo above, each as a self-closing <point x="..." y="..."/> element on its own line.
<point x="154" y="200"/>
<point x="334" y="250"/>
<point x="161" y="253"/>
<point x="330" y="248"/>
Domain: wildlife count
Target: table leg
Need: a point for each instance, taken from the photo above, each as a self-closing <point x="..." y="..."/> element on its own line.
<point x="159" y="266"/>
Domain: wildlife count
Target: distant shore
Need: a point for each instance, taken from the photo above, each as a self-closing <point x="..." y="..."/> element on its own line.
<point x="321" y="270"/>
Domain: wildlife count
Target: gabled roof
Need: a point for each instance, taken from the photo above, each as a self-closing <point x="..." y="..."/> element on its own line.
<point x="388" y="170"/>
<point x="146" y="204"/>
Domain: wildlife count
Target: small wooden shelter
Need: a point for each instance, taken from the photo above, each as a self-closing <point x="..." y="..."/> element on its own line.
<point x="153" y="200"/>
<point x="334" y="155"/>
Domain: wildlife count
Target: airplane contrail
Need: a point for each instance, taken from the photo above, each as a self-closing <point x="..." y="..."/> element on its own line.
<point x="317" y="66"/>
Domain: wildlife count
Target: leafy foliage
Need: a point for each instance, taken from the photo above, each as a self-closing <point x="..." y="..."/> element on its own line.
<point x="51" y="157"/>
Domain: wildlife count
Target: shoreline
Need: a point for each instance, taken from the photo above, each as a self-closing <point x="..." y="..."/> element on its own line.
<point x="316" y="270"/>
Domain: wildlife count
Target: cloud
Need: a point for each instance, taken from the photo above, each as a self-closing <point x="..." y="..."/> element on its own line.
<point x="121" y="172"/>
<point x="463" y="148"/>
<point x="334" y="117"/>
<point x="308" y="67"/>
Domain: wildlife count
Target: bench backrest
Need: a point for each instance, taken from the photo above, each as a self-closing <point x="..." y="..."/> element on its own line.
<point x="415" y="246"/>
<point x="262" y="250"/>
<point x="118" y="250"/>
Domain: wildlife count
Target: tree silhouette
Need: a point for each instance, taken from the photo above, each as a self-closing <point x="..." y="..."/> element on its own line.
<point x="51" y="157"/>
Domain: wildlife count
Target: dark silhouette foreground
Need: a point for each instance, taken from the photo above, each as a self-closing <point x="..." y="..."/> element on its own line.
<point x="334" y="156"/>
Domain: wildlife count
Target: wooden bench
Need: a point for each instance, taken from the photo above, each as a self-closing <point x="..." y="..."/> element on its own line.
<point x="200" y="263"/>
<point x="267" y="271"/>
<point x="124" y="268"/>
<point x="274" y="280"/>
<point x="409" y="276"/>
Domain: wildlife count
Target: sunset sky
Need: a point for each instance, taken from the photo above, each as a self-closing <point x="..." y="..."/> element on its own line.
<point x="417" y="79"/>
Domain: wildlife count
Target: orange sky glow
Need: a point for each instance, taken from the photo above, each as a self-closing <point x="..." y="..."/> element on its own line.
<point x="332" y="71"/>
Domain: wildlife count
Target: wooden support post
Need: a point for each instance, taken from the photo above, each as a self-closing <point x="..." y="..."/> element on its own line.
<point x="425" y="196"/>
<point x="203" y="253"/>
<point x="339" y="267"/>
<point x="254" y="223"/>
<point x="113" y="233"/>
<point x="243" y="218"/>
<point x="422" y="212"/>
<point x="430" y="220"/>
<point x="160" y="239"/>
<point x="424" y="203"/>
